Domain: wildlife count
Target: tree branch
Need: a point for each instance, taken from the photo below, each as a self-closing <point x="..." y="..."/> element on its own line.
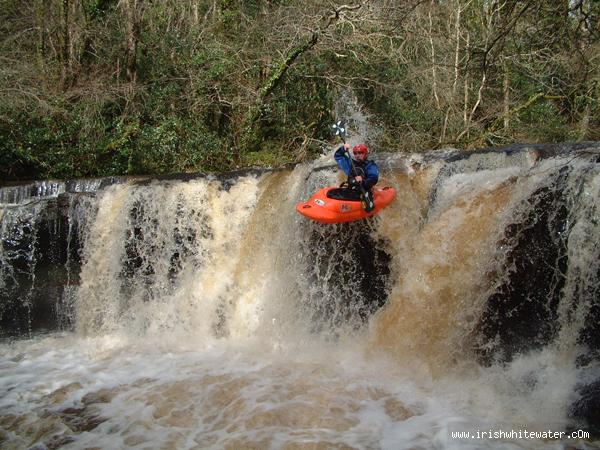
<point x="250" y="133"/>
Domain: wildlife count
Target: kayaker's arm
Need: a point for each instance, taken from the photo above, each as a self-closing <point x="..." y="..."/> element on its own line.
<point x="342" y="160"/>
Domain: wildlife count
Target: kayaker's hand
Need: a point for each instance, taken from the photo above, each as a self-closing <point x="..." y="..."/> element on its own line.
<point x="358" y="179"/>
<point x="346" y="146"/>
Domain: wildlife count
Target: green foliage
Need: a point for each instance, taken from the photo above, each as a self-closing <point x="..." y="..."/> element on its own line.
<point x="542" y="121"/>
<point x="96" y="9"/>
<point x="269" y="156"/>
<point x="219" y="85"/>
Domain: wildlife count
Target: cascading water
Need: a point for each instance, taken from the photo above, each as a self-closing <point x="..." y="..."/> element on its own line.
<point x="205" y="313"/>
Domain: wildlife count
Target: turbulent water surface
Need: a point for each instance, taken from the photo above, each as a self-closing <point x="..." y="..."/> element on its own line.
<point x="206" y="313"/>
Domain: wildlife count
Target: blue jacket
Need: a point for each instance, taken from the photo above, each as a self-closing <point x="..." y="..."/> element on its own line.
<point x="367" y="169"/>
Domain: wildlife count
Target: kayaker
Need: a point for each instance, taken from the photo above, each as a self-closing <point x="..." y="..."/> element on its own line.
<point x="365" y="170"/>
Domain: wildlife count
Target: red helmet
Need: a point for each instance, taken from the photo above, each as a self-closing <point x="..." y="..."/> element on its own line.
<point x="360" y="149"/>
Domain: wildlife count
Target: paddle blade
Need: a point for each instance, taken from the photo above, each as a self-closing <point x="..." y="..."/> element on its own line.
<point x="367" y="202"/>
<point x="339" y="128"/>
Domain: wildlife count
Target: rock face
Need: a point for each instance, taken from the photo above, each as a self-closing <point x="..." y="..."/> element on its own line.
<point x="585" y="411"/>
<point x="40" y="262"/>
<point x="522" y="314"/>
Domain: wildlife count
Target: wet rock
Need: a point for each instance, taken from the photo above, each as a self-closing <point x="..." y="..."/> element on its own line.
<point x="521" y="315"/>
<point x="12" y="421"/>
<point x="4" y="437"/>
<point x="348" y="290"/>
<point x="397" y="411"/>
<point x="100" y="396"/>
<point x="20" y="357"/>
<point x="60" y="394"/>
<point x="39" y="257"/>
<point x="58" y="441"/>
<point x="80" y="419"/>
<point x="585" y="412"/>
<point x="134" y="440"/>
<point x="38" y="447"/>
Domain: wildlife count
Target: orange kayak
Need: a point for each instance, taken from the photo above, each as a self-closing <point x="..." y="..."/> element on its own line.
<point x="328" y="206"/>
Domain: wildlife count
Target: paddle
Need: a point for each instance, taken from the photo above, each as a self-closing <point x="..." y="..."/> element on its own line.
<point x="365" y="197"/>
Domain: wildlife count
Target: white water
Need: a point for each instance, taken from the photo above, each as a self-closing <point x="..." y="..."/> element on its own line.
<point x="229" y="327"/>
<point x="239" y="395"/>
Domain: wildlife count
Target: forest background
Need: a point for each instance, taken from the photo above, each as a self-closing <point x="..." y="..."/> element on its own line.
<point x="103" y="87"/>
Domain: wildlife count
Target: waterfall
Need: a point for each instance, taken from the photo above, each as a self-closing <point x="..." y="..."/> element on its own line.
<point x="486" y="268"/>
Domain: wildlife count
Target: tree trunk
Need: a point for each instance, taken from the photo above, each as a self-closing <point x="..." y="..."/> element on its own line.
<point x="40" y="18"/>
<point x="584" y="123"/>
<point x="453" y="101"/>
<point x="66" y="44"/>
<point x="433" y="68"/>
<point x="466" y="87"/>
<point x="195" y="13"/>
<point x="133" y="33"/>
<point x="251" y="134"/>
<point x="506" y="97"/>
